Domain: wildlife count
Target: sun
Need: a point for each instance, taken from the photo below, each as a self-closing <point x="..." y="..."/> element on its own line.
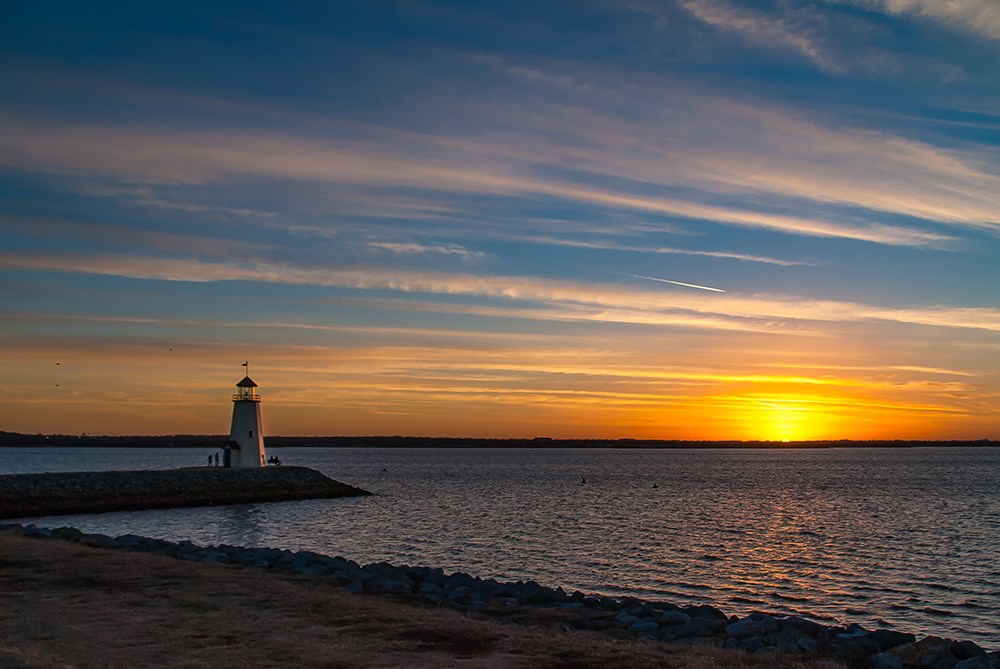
<point x="786" y="420"/>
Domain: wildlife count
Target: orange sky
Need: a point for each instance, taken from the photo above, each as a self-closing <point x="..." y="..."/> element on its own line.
<point x="449" y="383"/>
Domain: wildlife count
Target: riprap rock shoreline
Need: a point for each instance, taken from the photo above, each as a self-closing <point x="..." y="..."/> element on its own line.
<point x="759" y="632"/>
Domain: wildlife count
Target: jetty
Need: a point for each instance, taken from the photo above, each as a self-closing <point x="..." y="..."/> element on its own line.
<point x="57" y="494"/>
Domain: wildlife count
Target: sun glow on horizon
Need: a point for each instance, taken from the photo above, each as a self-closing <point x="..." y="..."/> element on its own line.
<point x="786" y="419"/>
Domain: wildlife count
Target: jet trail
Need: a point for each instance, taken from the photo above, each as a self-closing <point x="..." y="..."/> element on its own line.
<point x="676" y="283"/>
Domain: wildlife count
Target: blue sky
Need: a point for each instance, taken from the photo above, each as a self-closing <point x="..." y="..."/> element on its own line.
<point x="451" y="218"/>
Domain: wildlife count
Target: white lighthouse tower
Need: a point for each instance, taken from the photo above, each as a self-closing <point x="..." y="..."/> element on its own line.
<point x="245" y="448"/>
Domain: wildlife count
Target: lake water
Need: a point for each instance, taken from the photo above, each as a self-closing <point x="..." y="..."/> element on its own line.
<point x="906" y="538"/>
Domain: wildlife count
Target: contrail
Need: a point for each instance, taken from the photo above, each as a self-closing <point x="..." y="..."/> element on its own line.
<point x="676" y="283"/>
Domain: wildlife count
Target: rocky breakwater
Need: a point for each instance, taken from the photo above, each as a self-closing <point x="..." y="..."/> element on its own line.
<point x="530" y="603"/>
<point x="52" y="494"/>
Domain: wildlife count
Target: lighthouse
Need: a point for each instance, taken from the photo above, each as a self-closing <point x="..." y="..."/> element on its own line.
<point x="245" y="448"/>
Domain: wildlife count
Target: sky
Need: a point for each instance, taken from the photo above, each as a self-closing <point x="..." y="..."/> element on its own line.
<point x="652" y="219"/>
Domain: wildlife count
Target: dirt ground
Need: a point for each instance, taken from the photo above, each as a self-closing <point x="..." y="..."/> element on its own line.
<point x="67" y="605"/>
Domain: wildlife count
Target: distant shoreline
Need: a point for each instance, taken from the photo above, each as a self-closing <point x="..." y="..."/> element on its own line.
<point x="14" y="439"/>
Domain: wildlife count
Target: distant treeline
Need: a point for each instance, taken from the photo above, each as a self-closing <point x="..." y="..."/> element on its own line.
<point x="216" y="441"/>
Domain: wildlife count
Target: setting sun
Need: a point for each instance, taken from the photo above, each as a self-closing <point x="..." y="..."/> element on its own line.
<point x="786" y="419"/>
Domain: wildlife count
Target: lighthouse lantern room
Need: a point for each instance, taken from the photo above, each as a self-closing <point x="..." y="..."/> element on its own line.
<point x="245" y="448"/>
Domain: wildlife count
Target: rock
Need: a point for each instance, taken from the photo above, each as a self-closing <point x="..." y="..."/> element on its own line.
<point x="924" y="653"/>
<point x="964" y="650"/>
<point x="887" y="639"/>
<point x="975" y="662"/>
<point x="538" y="596"/>
<point x="769" y="622"/>
<point x="854" y="648"/>
<point x="389" y="584"/>
<point x="807" y="627"/>
<point x="752" y="644"/>
<point x="626" y="620"/>
<point x="745" y="628"/>
<point x="690" y="630"/>
<point x="675" y="618"/>
<point x="786" y="635"/>
<point x="608" y="604"/>
<point x="714" y="625"/>
<point x="705" y="611"/>
<point x="456" y="594"/>
<point x="806" y="644"/>
<point x="885" y="660"/>
<point x="427" y="588"/>
<point x="643" y="626"/>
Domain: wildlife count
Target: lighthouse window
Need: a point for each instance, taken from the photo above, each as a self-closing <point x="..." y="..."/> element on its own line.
<point x="250" y="434"/>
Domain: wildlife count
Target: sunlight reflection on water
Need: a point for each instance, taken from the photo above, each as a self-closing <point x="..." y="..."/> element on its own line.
<point x="905" y="536"/>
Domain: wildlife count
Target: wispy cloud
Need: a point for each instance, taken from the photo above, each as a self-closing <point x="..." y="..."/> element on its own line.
<point x="668" y="250"/>
<point x="613" y="303"/>
<point x="762" y="30"/>
<point x="978" y="16"/>
<point x="951" y="190"/>
<point x="407" y="248"/>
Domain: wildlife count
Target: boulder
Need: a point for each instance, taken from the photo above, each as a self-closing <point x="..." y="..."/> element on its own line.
<point x="807" y="627"/>
<point x="746" y="628"/>
<point x="887" y="639"/>
<point x="626" y="620"/>
<point x="715" y="625"/>
<point x="769" y="622"/>
<point x="675" y="618"/>
<point x="964" y="650"/>
<point x="692" y="630"/>
<point x="643" y="627"/>
<point x="806" y="644"/>
<point x="976" y="662"/>
<point x="885" y="660"/>
<point x="705" y="611"/>
<point x="854" y="648"/>
<point x="924" y="653"/>
<point x="397" y="584"/>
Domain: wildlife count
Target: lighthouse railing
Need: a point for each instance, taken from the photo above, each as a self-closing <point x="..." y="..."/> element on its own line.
<point x="246" y="397"/>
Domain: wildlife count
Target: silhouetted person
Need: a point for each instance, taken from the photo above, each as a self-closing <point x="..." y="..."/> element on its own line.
<point x="216" y="458"/>
<point x="209" y="459"/>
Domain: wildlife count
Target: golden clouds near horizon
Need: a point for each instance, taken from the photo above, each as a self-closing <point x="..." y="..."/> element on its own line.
<point x="491" y="386"/>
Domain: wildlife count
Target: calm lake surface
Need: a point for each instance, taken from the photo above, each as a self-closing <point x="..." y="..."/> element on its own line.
<point x="906" y="538"/>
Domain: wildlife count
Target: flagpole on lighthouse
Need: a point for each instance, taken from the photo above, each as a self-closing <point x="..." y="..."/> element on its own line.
<point x="247" y="365"/>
